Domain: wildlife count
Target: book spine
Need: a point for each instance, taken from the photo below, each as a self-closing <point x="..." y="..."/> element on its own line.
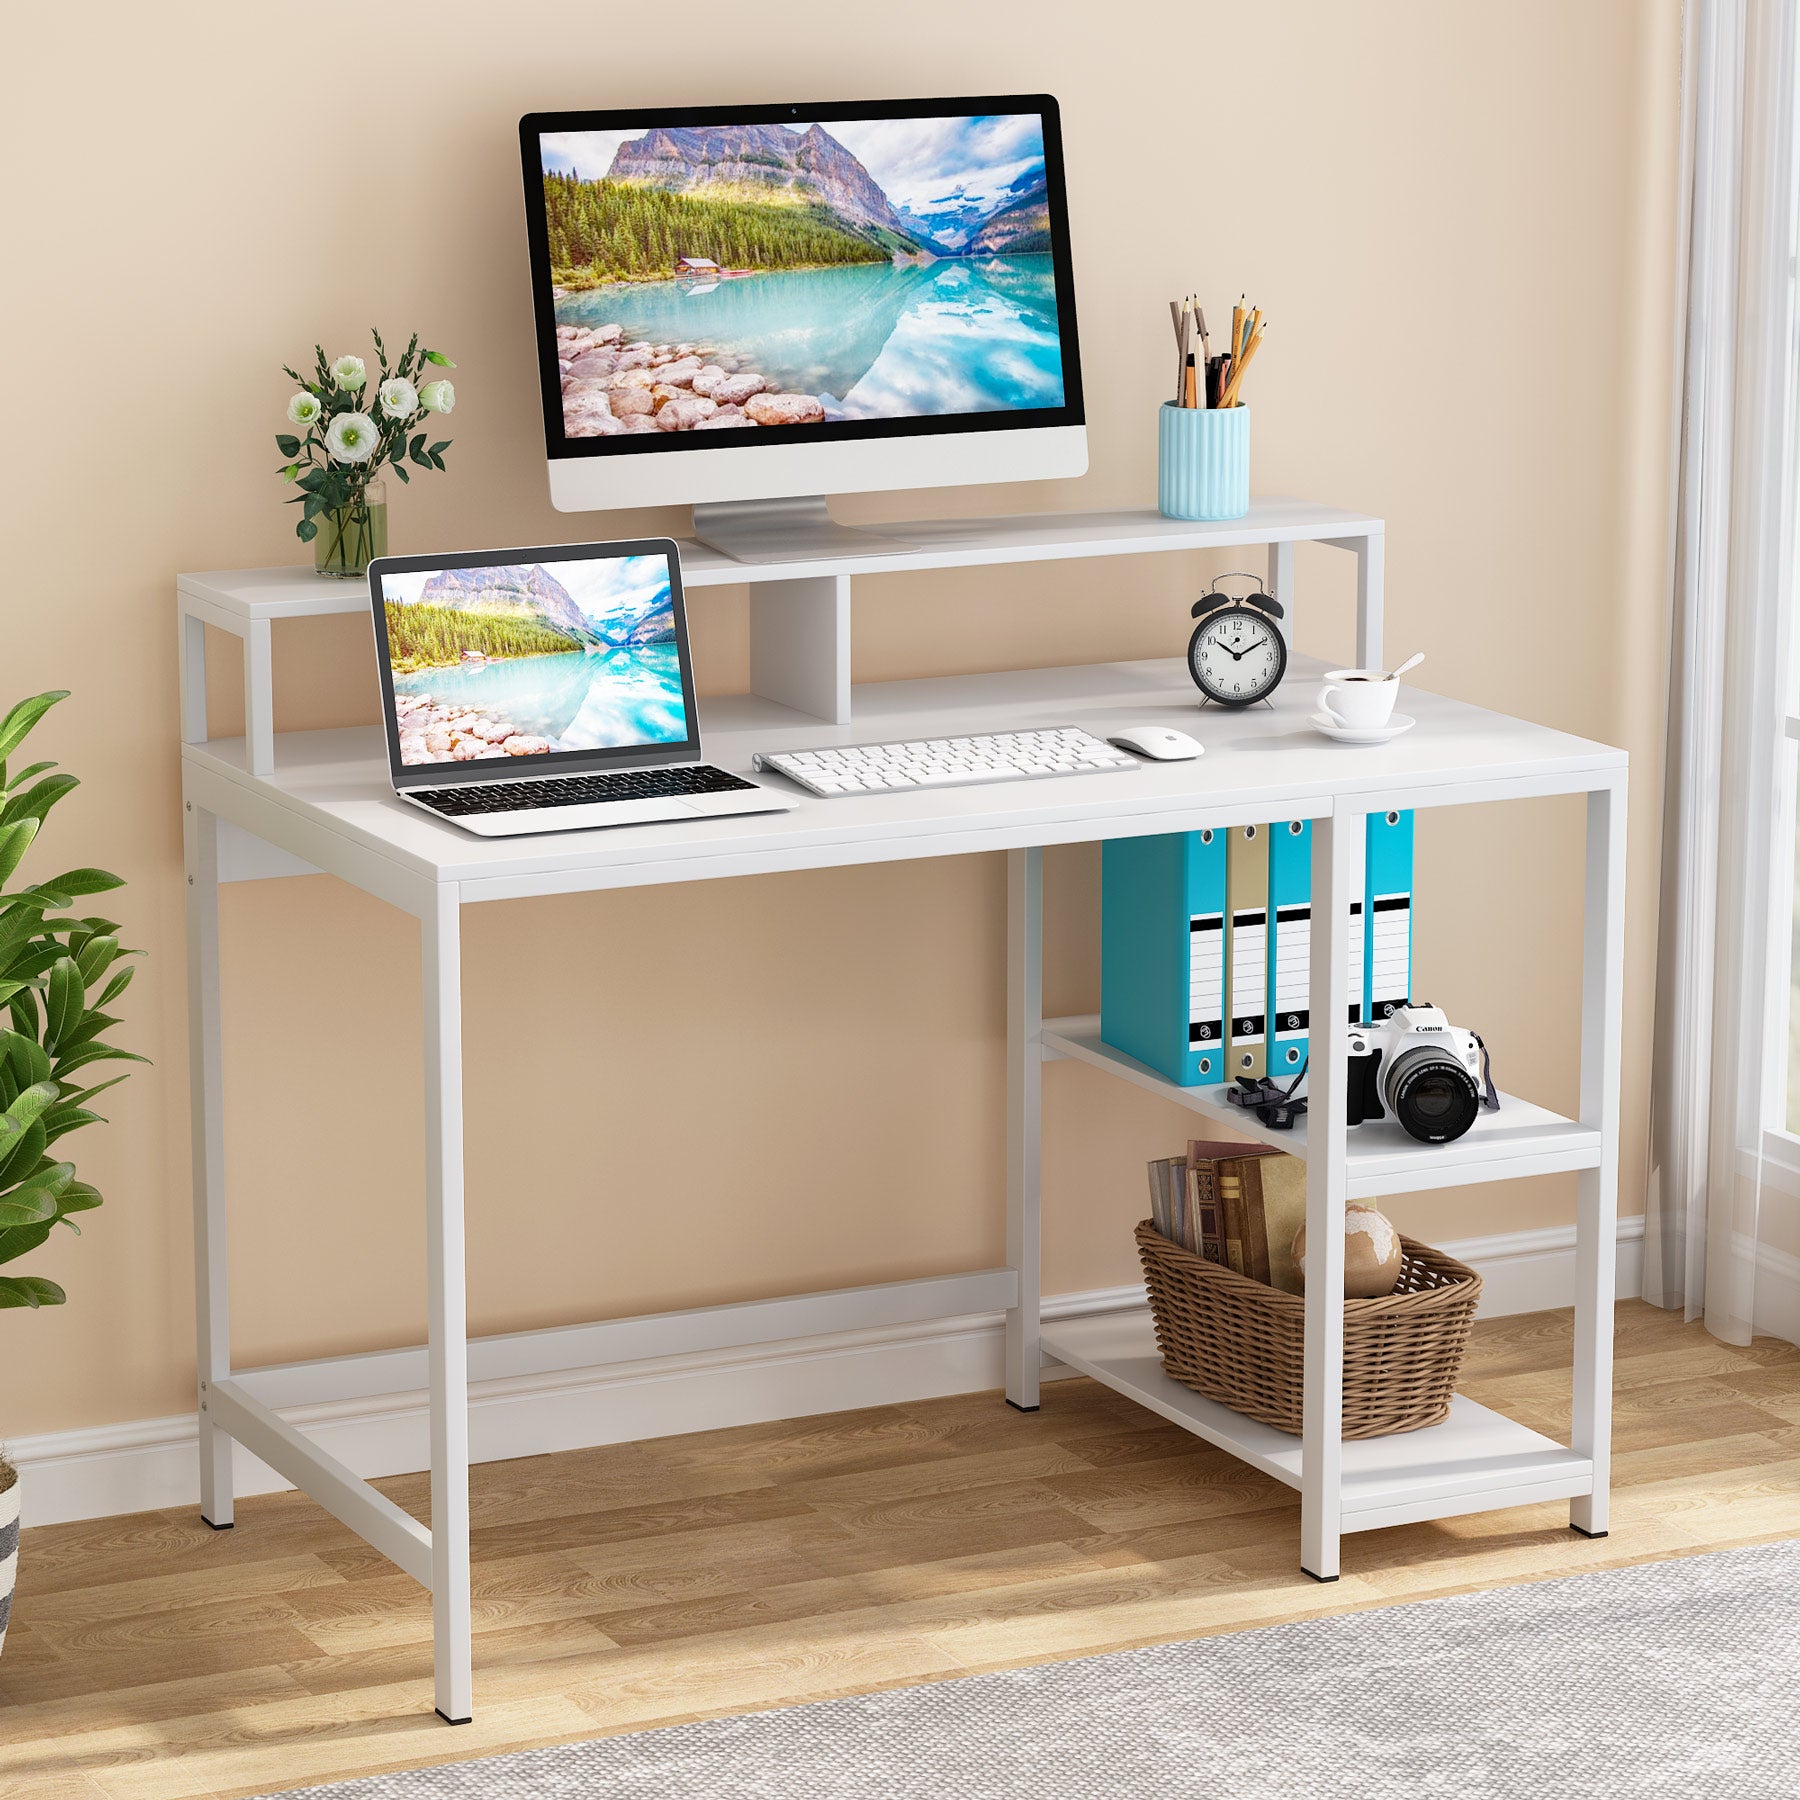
<point x="1159" y="1206"/>
<point x="1248" y="1171"/>
<point x="1206" y="1227"/>
<point x="1231" y="1208"/>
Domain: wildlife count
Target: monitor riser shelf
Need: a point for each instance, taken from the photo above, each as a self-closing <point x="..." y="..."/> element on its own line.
<point x="800" y="611"/>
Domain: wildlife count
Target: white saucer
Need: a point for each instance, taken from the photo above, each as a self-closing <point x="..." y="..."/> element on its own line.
<point x="1362" y="734"/>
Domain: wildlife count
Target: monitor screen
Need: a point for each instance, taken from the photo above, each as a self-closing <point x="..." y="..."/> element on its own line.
<point x="499" y="663"/>
<point x="724" y="277"/>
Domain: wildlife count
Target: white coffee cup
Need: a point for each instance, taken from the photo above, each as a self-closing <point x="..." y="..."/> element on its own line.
<point x="1359" y="698"/>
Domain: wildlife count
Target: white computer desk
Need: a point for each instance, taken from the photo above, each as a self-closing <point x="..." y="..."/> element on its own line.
<point x="325" y="805"/>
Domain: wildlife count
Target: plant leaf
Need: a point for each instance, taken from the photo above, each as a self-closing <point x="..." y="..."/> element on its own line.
<point x="79" y="1196"/>
<point x="96" y="956"/>
<point x="306" y="531"/>
<point x="15" y="840"/>
<point x="25" y="774"/>
<point x="17" y="724"/>
<point x="29" y="1290"/>
<point x="37" y="799"/>
<point x="27" y="1206"/>
<point x="87" y="1053"/>
<point x="63" y="1001"/>
<point x="120" y="982"/>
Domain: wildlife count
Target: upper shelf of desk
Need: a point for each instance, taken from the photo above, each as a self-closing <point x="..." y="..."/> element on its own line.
<point x="296" y="593"/>
<point x="329" y="800"/>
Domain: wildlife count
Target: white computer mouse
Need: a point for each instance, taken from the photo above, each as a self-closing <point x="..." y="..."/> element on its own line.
<point x="1159" y="743"/>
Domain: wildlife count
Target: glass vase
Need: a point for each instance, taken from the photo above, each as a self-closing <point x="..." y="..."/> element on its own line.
<point x="352" y="536"/>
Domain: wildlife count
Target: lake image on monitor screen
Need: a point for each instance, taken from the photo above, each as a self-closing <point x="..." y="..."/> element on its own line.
<point x="725" y="278"/>
<point x="533" y="658"/>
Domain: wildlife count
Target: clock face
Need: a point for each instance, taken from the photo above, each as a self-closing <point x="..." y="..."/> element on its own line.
<point x="1236" y="656"/>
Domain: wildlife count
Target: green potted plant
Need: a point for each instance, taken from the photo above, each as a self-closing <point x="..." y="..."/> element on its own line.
<point x="57" y="977"/>
<point x="345" y="440"/>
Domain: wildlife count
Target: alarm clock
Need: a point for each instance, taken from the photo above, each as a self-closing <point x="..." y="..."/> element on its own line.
<point x="1237" y="654"/>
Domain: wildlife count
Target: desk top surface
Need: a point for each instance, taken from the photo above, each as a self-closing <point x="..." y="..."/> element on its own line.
<point x="330" y="801"/>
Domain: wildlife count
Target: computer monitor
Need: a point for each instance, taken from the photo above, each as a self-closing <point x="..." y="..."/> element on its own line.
<point x="759" y="304"/>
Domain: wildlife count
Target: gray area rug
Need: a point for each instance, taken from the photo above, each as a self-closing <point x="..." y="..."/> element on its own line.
<point x="1678" y="1678"/>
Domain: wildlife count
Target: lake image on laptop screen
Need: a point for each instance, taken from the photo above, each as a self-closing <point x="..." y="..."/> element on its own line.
<point x="533" y="658"/>
<point x="749" y="277"/>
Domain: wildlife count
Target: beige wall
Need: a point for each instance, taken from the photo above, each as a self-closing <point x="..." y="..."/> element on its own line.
<point x="1459" y="222"/>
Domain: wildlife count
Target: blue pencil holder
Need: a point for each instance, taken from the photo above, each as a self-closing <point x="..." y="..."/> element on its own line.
<point x="1203" y="462"/>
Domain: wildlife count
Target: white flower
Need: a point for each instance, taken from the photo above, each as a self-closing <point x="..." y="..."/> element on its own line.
<point x="437" y="396"/>
<point x="303" y="408"/>
<point x="398" y="398"/>
<point x="348" y="372"/>
<point x="352" y="437"/>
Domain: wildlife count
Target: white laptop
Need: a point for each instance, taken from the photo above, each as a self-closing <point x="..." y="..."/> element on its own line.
<point x="546" y="690"/>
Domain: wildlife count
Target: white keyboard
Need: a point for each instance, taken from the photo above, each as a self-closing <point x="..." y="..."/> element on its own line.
<point x="947" y="762"/>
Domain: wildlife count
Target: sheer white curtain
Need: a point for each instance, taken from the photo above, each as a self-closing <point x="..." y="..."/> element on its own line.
<point x="1728" y="817"/>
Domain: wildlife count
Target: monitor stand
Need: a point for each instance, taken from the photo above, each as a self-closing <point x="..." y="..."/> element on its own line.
<point x="779" y="531"/>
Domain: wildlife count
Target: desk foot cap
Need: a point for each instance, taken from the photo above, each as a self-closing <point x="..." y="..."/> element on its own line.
<point x="1018" y="1408"/>
<point x="204" y="1520"/>
<point x="1310" y="1576"/>
<point x="450" y="1721"/>
<point x="1589" y="1534"/>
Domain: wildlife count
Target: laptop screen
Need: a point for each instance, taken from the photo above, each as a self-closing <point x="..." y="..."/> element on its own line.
<point x="491" y="665"/>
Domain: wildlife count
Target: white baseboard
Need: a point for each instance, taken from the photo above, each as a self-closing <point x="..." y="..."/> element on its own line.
<point x="151" y="1463"/>
<point x="1777" y="1310"/>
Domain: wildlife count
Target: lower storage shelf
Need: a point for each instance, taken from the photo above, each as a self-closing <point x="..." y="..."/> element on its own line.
<point x="1476" y="1461"/>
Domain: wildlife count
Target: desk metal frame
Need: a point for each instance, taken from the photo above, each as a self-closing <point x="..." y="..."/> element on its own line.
<point x="241" y="825"/>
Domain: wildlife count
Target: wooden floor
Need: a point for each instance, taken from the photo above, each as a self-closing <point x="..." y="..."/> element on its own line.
<point x="648" y="1583"/>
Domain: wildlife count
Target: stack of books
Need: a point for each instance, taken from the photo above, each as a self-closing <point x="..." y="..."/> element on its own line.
<point x="1236" y="1204"/>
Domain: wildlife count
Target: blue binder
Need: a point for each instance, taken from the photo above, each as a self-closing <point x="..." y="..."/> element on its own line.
<point x="1162" y="953"/>
<point x="1388" y="913"/>
<point x="1290" y="959"/>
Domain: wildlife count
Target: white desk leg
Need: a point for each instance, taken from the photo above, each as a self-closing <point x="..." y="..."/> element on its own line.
<point x="447" y="1308"/>
<point x="1279" y="585"/>
<point x="1322" y="1448"/>
<point x="259" y="697"/>
<point x="1371" y="557"/>
<point x="1024" y="1116"/>
<point x="1596" y="1228"/>
<point x="206" y="1083"/>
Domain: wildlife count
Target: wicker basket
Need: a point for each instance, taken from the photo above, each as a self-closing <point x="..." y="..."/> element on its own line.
<point x="1239" y="1341"/>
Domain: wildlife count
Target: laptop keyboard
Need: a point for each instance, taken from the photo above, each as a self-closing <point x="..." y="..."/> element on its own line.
<point x="579" y="790"/>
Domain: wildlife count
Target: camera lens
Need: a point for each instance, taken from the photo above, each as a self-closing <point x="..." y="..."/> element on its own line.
<point x="1432" y="1095"/>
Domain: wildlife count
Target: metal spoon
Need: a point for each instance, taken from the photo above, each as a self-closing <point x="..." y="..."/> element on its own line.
<point x="1412" y="662"/>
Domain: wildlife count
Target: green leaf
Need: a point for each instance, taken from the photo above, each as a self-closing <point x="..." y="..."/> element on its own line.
<point x="29" y="1290"/>
<point x="17" y="724"/>
<point x="78" y="1196"/>
<point x="34" y="1100"/>
<point x="26" y="1056"/>
<point x="95" y="957"/>
<point x="15" y="840"/>
<point x="120" y="982"/>
<point x="87" y="1053"/>
<point x="78" y="882"/>
<point x="27" y="1206"/>
<point x="37" y="799"/>
<point x="63" y="1001"/>
<point x="24" y="775"/>
<point x="306" y="531"/>
<point x="21" y="1157"/>
<point x="287" y="443"/>
<point x="402" y="474"/>
<point x="21" y="1238"/>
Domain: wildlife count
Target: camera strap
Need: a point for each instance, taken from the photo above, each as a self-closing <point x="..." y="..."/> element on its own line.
<point x="1272" y="1103"/>
<point x="1490" y="1097"/>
